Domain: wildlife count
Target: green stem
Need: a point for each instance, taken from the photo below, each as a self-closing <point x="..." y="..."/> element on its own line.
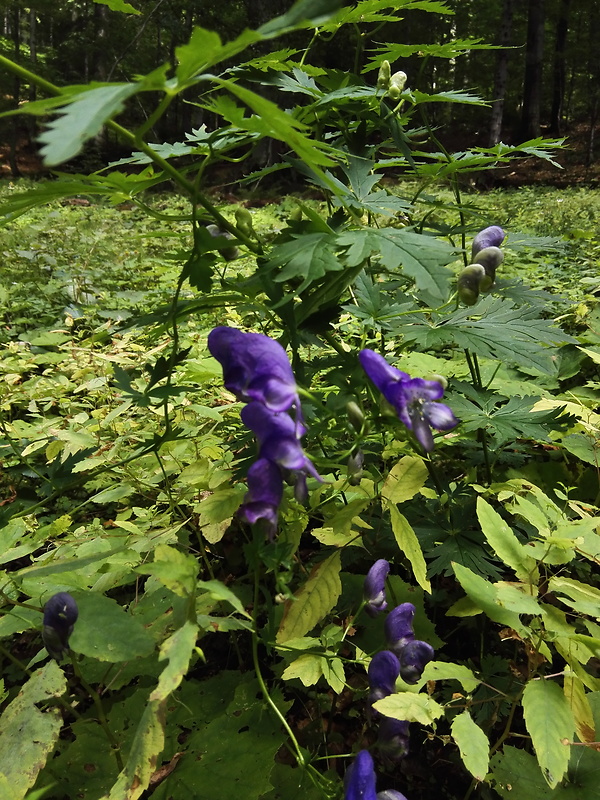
<point x="100" y="711"/>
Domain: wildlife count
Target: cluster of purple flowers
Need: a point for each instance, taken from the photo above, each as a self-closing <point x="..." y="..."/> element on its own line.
<point x="406" y="657"/>
<point x="256" y="370"/>
<point x="414" y="399"/>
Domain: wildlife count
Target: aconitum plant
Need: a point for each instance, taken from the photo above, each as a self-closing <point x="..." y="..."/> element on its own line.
<point x="413" y="654"/>
<point x="414" y="399"/>
<point x="374" y="587"/>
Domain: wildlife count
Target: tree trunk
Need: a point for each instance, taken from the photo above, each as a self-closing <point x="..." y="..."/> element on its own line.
<point x="14" y="122"/>
<point x="559" y="68"/>
<point x="501" y="73"/>
<point x="532" y="85"/>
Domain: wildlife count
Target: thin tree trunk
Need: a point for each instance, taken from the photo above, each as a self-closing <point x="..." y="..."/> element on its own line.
<point x="14" y="123"/>
<point x="559" y="68"/>
<point x="501" y="73"/>
<point x="532" y="85"/>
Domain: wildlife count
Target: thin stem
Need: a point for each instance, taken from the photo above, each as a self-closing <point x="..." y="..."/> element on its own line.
<point x="100" y="711"/>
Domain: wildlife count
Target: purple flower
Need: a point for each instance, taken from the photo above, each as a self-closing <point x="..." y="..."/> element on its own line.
<point x="398" y="627"/>
<point x="393" y="740"/>
<point x="360" y="781"/>
<point x="255" y="367"/>
<point x="374" y="588"/>
<point x="360" y="778"/>
<point x="420" y="413"/>
<point x="383" y="671"/>
<point x="265" y="490"/>
<point x="278" y="440"/>
<point x="60" y="616"/>
<point x="413" y="398"/>
<point x="413" y="658"/>
<point x="493" y="236"/>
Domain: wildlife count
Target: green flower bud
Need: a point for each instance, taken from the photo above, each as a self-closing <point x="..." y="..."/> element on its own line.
<point x="397" y="82"/>
<point x="383" y="78"/>
<point x="469" y="281"/>
<point x="490" y="259"/>
<point x="228" y="253"/>
<point x="438" y="379"/>
<point x="355" y="415"/>
<point x="243" y="220"/>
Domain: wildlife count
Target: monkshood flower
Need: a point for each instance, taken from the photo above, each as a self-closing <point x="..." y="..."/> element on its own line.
<point x="278" y="439"/>
<point x="374" y="587"/>
<point x="360" y="782"/>
<point x="60" y="616"/>
<point x="414" y="399"/>
<point x="413" y="658"/>
<point x="398" y="627"/>
<point x="255" y="367"/>
<point x="413" y="654"/>
<point x="492" y="236"/>
<point x="265" y="490"/>
<point x="383" y="671"/>
<point x="393" y="740"/>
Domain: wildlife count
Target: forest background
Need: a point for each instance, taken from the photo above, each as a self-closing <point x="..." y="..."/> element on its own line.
<point x="367" y="560"/>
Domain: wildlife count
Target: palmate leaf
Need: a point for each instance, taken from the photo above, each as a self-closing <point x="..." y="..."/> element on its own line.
<point x="398" y="52"/>
<point x="421" y="257"/>
<point x="82" y="117"/>
<point x="309" y="256"/>
<point x="451" y="96"/>
<point x="511" y="420"/>
<point x="495" y="329"/>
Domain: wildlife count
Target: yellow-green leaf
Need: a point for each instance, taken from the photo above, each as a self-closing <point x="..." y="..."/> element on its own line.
<point x="505" y="543"/>
<point x="549" y="721"/>
<point x="408" y="705"/>
<point x="308" y="668"/>
<point x="409" y="545"/>
<point x="404" y="480"/>
<point x="473" y="745"/>
<point x="313" y="601"/>
<point x="444" y="670"/>
<point x="580" y="706"/>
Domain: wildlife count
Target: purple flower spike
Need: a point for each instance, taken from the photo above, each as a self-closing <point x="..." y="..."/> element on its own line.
<point x="393" y="739"/>
<point x="383" y="671"/>
<point x="278" y="442"/>
<point x="255" y="367"/>
<point x="60" y="616"/>
<point x="420" y="413"/>
<point x="493" y="236"/>
<point x="398" y="627"/>
<point x="360" y="778"/>
<point x="265" y="490"/>
<point x="374" y="588"/>
<point x="413" y="658"/>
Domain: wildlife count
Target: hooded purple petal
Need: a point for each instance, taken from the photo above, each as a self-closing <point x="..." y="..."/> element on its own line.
<point x="359" y="781"/>
<point x="382" y="374"/>
<point x="278" y="442"/>
<point x="374" y="587"/>
<point x="255" y="367"/>
<point x="493" y="236"/>
<point x="398" y="627"/>
<point x="383" y="671"/>
<point x="265" y="490"/>
<point x="419" y="411"/>
<point x="393" y="739"/>
<point x="413" y="658"/>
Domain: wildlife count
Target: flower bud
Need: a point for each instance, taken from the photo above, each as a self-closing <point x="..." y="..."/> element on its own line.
<point x="438" y="378"/>
<point x="383" y="78"/>
<point x="355" y="415"/>
<point x="397" y="82"/>
<point x="355" y="467"/>
<point x="243" y="219"/>
<point x="490" y="259"/>
<point x="228" y="253"/>
<point x="374" y="587"/>
<point x="493" y="236"/>
<point x="469" y="281"/>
